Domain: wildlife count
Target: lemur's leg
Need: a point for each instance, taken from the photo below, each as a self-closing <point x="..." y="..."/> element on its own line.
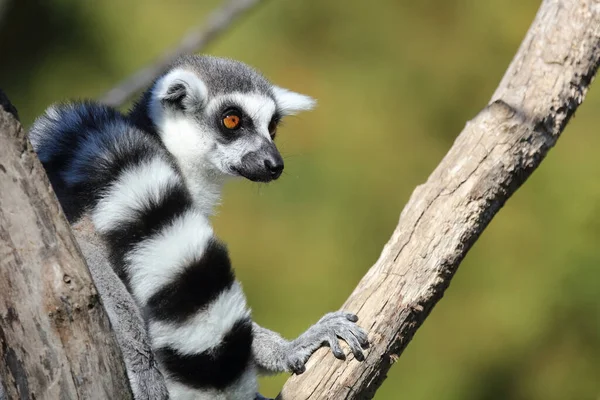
<point x="273" y="354"/>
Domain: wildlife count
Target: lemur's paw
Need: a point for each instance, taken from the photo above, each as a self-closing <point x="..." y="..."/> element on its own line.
<point x="341" y="324"/>
<point x="296" y="363"/>
<point x="327" y="332"/>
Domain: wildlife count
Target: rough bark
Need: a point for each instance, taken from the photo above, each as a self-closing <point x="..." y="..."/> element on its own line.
<point x="55" y="338"/>
<point x="490" y="159"/>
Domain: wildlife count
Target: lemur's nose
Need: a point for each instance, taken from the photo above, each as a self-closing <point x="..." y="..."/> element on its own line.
<point x="275" y="167"/>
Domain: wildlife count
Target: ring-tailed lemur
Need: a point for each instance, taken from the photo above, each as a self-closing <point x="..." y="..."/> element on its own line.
<point x="150" y="182"/>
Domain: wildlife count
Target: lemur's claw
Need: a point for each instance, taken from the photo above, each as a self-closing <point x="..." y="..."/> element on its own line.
<point x="362" y="337"/>
<point x="352" y="317"/>
<point x="297" y="366"/>
<point x="335" y="347"/>
<point x="342" y="325"/>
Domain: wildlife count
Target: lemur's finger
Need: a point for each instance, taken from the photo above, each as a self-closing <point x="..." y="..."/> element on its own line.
<point x="353" y="343"/>
<point x="357" y="331"/>
<point x="351" y="317"/>
<point x="362" y="337"/>
<point x="297" y="366"/>
<point x="336" y="349"/>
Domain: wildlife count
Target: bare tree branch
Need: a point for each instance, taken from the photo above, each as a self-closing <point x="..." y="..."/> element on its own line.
<point x="495" y="153"/>
<point x="55" y="337"/>
<point x="218" y="21"/>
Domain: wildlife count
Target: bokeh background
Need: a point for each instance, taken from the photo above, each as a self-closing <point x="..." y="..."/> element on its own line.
<point x="396" y="80"/>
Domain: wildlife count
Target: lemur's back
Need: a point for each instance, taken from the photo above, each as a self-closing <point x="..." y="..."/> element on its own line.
<point x="79" y="143"/>
<point x="158" y="244"/>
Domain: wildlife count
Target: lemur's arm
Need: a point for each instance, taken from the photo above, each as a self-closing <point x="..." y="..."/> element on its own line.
<point x="273" y="354"/>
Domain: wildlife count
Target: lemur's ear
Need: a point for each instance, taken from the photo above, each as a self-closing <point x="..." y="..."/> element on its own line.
<point x="182" y="90"/>
<point x="290" y="103"/>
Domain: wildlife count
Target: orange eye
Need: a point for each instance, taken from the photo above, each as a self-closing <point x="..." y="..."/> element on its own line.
<point x="231" y="121"/>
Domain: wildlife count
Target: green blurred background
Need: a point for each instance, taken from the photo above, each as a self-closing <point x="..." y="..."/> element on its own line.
<point x="396" y="80"/>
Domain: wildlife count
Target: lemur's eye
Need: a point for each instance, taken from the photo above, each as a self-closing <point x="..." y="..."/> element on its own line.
<point x="232" y="119"/>
<point x="273" y="128"/>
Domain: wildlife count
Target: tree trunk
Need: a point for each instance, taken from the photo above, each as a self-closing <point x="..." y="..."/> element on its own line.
<point x="55" y="338"/>
<point x="490" y="159"/>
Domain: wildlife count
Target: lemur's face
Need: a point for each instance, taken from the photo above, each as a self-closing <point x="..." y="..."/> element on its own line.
<point x="243" y="128"/>
<point x="228" y="134"/>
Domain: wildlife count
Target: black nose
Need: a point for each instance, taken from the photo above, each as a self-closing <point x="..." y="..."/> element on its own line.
<point x="275" y="167"/>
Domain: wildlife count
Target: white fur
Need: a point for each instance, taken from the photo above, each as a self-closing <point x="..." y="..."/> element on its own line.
<point x="290" y="103"/>
<point x="178" y="391"/>
<point x="191" y="146"/>
<point x="133" y="190"/>
<point x="185" y="139"/>
<point x="207" y="328"/>
<point x="195" y="87"/>
<point x="157" y="260"/>
<point x="53" y="113"/>
<point x="46" y="125"/>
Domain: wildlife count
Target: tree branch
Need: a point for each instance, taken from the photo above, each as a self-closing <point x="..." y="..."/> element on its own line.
<point x="55" y="337"/>
<point x="195" y="41"/>
<point x="495" y="153"/>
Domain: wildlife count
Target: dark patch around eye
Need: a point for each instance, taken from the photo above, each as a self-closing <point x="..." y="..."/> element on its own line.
<point x="244" y="127"/>
<point x="273" y="125"/>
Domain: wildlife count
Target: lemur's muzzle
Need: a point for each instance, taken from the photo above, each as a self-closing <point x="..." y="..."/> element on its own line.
<point x="262" y="165"/>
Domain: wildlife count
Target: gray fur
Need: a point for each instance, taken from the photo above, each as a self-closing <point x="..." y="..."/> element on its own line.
<point x="146" y="381"/>
<point x="223" y="75"/>
<point x="274" y="354"/>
